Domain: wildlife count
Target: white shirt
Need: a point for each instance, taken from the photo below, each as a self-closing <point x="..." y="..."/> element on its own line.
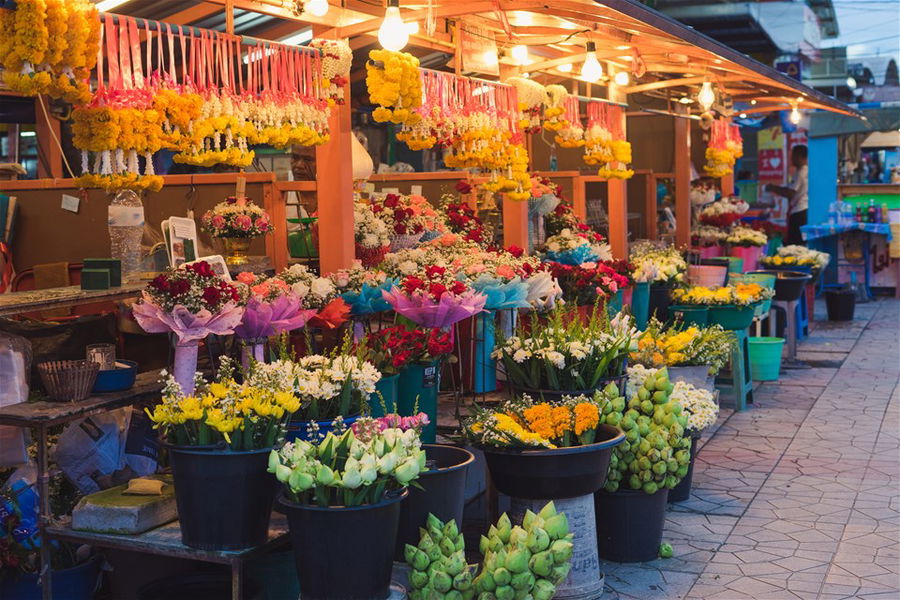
<point x="800" y="185"/>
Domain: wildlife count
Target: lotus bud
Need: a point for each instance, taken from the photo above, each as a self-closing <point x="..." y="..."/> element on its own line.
<point x="522" y="582"/>
<point x="504" y="528"/>
<point x="560" y="572"/>
<point x="434" y="553"/>
<point x="324" y="475"/>
<point x="451" y="530"/>
<point x="484" y="583"/>
<point x="456" y="563"/>
<point x="505" y="592"/>
<point x="463" y="581"/>
<point x="351" y="479"/>
<point x="517" y="536"/>
<point x="538" y="540"/>
<point x="452" y="595"/>
<point x="541" y="563"/>
<point x="528" y="519"/>
<point x="282" y="473"/>
<point x="440" y="581"/>
<point x="447" y="545"/>
<point x="543" y="590"/>
<point x="409" y="553"/>
<point x="517" y="560"/>
<point x="418" y="579"/>
<point x="300" y="481"/>
<point x="460" y="543"/>
<point x="274" y="462"/>
<point x="557" y="526"/>
<point x="502" y="576"/>
<point x="483" y="545"/>
<point x="407" y="471"/>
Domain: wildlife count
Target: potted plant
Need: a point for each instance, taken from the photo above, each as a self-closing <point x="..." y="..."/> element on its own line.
<point x="692" y="354"/>
<point x="342" y="498"/>
<point x="218" y="441"/>
<point x="236" y="222"/>
<point x="190" y="302"/>
<point x="537" y="451"/>
<point x="652" y="460"/>
<point x="747" y="243"/>
<point x="336" y="387"/>
<point x="563" y="356"/>
<point x="663" y="267"/>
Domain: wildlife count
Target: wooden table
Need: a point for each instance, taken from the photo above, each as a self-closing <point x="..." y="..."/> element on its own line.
<point x="33" y="300"/>
<point x="166" y="541"/>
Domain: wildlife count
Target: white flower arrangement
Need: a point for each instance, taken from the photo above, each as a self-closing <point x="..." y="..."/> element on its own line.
<point x="370" y="230"/>
<point x="805" y="255"/>
<point x="699" y="404"/>
<point x="732" y="205"/>
<point x="567" y="240"/>
<point x="657" y="264"/>
<point x="355" y="277"/>
<point x="315" y="291"/>
<point x="709" y="235"/>
<point x="746" y="236"/>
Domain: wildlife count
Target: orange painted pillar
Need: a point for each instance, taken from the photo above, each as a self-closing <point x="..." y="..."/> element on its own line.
<point x="277" y="243"/>
<point x="650" y="207"/>
<point x="579" y="202"/>
<point x="682" y="151"/>
<point x="515" y="224"/>
<point x="617" y="200"/>
<point x="727" y="185"/>
<point x="334" y="191"/>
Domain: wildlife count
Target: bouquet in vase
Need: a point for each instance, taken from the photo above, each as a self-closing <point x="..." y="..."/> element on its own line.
<point x="191" y="302"/>
<point x="463" y="220"/>
<point x="371" y="235"/>
<point x="794" y="255"/>
<point x="319" y="294"/>
<point x="500" y="275"/>
<point x="724" y="212"/>
<point x="562" y="217"/>
<point x="393" y="348"/>
<point x="236" y="218"/>
<point x="704" y="236"/>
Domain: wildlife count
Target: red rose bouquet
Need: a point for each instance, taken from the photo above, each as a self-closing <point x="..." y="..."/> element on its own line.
<point x="433" y="298"/>
<point x="392" y="348"/>
<point x="587" y="283"/>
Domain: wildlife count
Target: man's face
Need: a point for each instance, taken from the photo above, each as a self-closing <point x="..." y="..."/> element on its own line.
<point x="797" y="159"/>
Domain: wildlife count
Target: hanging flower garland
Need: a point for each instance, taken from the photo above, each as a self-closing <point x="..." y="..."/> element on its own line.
<point x="336" y="61"/>
<point x="49" y="47"/>
<point x="604" y="141"/>
<point x="572" y="135"/>
<point x="532" y="96"/>
<point x="392" y="79"/>
<point x="725" y="147"/>
<point x="555" y="111"/>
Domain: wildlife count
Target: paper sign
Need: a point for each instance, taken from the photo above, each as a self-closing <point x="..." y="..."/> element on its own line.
<point x="126" y="216"/>
<point x="70" y="203"/>
<point x="390" y="190"/>
<point x="479" y="50"/>
<point x="182" y="240"/>
<point x="416" y="190"/>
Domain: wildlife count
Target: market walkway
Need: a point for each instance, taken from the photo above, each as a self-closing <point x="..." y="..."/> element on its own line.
<point x="799" y="496"/>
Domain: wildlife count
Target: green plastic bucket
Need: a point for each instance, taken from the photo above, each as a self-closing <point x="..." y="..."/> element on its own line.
<point x="420" y="384"/>
<point x="765" y="358"/>
<point x="385" y="396"/>
<point x="730" y="316"/>
<point x="640" y="304"/>
<point x="689" y="314"/>
<point x="735" y="264"/>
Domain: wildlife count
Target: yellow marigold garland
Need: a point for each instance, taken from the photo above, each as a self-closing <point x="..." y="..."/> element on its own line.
<point x="394" y="85"/>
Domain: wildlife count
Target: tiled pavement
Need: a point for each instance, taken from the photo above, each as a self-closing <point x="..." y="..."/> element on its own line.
<point x="798" y="496"/>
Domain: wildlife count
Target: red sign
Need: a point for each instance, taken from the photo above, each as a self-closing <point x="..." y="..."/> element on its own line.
<point x="772" y="165"/>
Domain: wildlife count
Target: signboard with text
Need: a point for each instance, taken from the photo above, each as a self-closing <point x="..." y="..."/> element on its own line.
<point x="479" y="50"/>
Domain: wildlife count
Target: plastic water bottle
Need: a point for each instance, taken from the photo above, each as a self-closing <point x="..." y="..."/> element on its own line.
<point x="126" y="228"/>
<point x="833" y="213"/>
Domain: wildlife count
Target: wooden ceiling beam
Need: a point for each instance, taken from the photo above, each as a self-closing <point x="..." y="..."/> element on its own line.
<point x="192" y="14"/>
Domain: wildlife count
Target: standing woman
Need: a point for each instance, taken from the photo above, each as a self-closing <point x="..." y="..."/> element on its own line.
<point x="797" y="194"/>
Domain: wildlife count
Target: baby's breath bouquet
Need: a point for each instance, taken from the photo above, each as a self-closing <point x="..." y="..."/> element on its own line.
<point x="242" y="416"/>
<point x="349" y="469"/>
<point x="564" y="353"/>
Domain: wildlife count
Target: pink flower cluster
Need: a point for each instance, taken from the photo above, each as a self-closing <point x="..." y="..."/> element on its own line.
<point x="367" y="427"/>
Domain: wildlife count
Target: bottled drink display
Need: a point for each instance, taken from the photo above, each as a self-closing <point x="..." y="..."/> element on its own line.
<point x="871" y="213"/>
<point x="126" y="228"/>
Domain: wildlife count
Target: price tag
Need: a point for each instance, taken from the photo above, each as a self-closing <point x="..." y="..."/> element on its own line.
<point x="415" y="190"/>
<point x="429" y="376"/>
<point x="70" y="203"/>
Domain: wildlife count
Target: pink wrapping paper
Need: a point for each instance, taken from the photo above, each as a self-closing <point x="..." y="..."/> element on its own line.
<point x="424" y="311"/>
<point x="187" y="326"/>
<point x="265" y="319"/>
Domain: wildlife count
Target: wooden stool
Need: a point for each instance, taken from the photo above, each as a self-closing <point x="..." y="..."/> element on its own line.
<point x="740" y="382"/>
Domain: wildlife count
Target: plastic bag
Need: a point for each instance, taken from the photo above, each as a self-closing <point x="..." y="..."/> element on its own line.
<point x="19" y="505"/>
<point x="15" y="366"/>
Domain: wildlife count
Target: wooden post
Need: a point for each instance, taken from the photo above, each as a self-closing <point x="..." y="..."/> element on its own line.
<point x="727" y="185"/>
<point x="50" y="157"/>
<point x="682" y="151"/>
<point x="277" y="242"/>
<point x="617" y="196"/>
<point x="650" y="206"/>
<point x="334" y="177"/>
<point x="515" y="224"/>
<point x="579" y="201"/>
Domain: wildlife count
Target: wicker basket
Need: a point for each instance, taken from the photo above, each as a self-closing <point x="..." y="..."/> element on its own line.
<point x="68" y="380"/>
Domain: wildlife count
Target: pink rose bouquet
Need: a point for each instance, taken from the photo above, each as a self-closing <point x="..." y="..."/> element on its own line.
<point x="236" y="218"/>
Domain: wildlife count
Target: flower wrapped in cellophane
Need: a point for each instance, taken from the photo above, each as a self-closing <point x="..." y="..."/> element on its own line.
<point x="240" y="415"/>
<point x="361" y="289"/>
<point x="528" y="423"/>
<point x="656" y="263"/>
<point x="191" y="302"/>
<point x="271" y="308"/>
<point x="345" y="470"/>
<point x="371" y="235"/>
<point x="498" y="274"/>
<point x="318" y="293"/>
<point x="433" y="298"/>
<point x="577" y="246"/>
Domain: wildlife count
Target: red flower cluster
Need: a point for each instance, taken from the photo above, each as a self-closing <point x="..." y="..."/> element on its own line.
<point x="435" y="283"/>
<point x="400" y="214"/>
<point x="723" y="220"/>
<point x="194" y="286"/>
<point x="463" y="220"/>
<point x="395" y="347"/>
<point x="463" y="187"/>
<point x="583" y="286"/>
<point x="562" y="217"/>
<point x="623" y="268"/>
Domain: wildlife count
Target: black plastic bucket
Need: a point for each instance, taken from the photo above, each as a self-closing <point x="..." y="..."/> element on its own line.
<point x="660" y="299"/>
<point x="443" y="493"/>
<point x="841" y="304"/>
<point x="344" y="553"/>
<point x="198" y="586"/>
<point x="630" y="524"/>
<point x="553" y="473"/>
<point x="224" y="498"/>
<point x="682" y="491"/>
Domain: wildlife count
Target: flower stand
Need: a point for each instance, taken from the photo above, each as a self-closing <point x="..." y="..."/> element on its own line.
<point x="749" y="254"/>
<point x="740" y="382"/>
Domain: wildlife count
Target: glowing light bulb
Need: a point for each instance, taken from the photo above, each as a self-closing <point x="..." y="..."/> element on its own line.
<point x="622" y="78"/>
<point x="520" y="54"/>
<point x="393" y="33"/>
<point x="317" y="8"/>
<point x="686" y="100"/>
<point x="706" y="96"/>
<point x="566" y="68"/>
<point x="591" y="70"/>
<point x="794" y="117"/>
<point x="743" y="115"/>
<point x="753" y="102"/>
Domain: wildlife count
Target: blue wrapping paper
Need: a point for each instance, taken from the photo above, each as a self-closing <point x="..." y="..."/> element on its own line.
<point x="574" y="257"/>
<point x="369" y="299"/>
<point x="500" y="295"/>
<point x="484" y="378"/>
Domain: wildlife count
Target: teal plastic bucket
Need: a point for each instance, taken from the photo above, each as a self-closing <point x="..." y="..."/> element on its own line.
<point x="731" y="317"/>
<point x="765" y="358"/>
<point x="420" y="384"/>
<point x="765" y="280"/>
<point x="614" y="306"/>
<point x="735" y="264"/>
<point x="640" y="304"/>
<point x="689" y="314"/>
<point x="385" y="396"/>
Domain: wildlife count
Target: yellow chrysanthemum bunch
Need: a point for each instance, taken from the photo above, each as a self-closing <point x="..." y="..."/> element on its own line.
<point x="49" y="47"/>
<point x="741" y="294"/>
<point x="392" y="79"/>
<point x="719" y="162"/>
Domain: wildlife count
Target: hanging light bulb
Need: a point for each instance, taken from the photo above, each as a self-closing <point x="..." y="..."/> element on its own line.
<point x="520" y="54"/>
<point x="591" y="70"/>
<point x="393" y="33"/>
<point x="706" y="96"/>
<point x="622" y="78"/>
<point x="317" y="8"/>
<point x="794" y="117"/>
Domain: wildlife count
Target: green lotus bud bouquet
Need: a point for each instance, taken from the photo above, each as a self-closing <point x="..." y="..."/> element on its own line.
<point x="348" y="469"/>
<point x="527" y="561"/>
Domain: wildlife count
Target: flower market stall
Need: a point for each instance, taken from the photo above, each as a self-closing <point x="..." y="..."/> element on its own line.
<point x="225" y="398"/>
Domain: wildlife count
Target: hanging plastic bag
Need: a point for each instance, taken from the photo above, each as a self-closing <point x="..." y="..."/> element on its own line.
<point x="15" y="366"/>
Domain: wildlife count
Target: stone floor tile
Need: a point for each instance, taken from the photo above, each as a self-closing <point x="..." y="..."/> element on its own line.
<point x="641" y="582"/>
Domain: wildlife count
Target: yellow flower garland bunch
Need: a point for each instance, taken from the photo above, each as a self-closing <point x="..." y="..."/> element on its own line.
<point x="49" y="47"/>
<point x="611" y="155"/>
<point x="741" y="294"/>
<point x="392" y="79"/>
<point x="179" y="110"/>
<point x="555" y="110"/>
<point x="219" y="136"/>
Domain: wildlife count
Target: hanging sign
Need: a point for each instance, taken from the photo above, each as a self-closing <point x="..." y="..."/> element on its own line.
<point x="478" y="50"/>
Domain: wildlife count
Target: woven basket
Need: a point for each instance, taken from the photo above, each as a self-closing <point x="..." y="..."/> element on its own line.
<point x="68" y="380"/>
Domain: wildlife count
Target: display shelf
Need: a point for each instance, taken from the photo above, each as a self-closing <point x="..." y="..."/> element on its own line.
<point x="44" y="413"/>
<point x="15" y="303"/>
